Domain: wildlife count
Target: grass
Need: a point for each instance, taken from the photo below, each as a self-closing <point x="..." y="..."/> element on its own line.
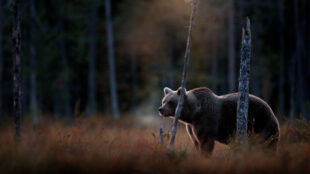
<point x="130" y="145"/>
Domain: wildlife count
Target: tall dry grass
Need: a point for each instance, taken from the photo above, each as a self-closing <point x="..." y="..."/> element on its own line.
<point x="127" y="146"/>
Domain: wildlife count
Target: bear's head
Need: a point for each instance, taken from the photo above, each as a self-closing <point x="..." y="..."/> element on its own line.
<point x="170" y="102"/>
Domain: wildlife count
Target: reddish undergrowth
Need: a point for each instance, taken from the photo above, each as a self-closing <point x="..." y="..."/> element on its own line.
<point x="127" y="146"/>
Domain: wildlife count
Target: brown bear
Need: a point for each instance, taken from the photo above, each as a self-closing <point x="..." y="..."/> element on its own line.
<point x="209" y="117"/>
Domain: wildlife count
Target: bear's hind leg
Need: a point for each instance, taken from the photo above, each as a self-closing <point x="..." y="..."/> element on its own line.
<point x="271" y="135"/>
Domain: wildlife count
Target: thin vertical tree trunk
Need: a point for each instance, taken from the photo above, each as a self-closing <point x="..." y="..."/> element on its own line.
<point x="243" y="103"/>
<point x="292" y="73"/>
<point x="110" y="46"/>
<point x="292" y="87"/>
<point x="231" y="47"/>
<point x="281" y="57"/>
<point x="1" y="55"/>
<point x="299" y="55"/>
<point x="64" y="82"/>
<point x="33" y="79"/>
<point x="134" y="80"/>
<point x="179" y="107"/>
<point x="92" y="60"/>
<point x="308" y="65"/>
<point x="17" y="91"/>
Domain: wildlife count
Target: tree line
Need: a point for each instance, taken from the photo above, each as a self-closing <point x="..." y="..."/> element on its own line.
<point x="108" y="57"/>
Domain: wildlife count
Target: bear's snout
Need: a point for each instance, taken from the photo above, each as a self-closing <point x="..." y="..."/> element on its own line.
<point x="162" y="111"/>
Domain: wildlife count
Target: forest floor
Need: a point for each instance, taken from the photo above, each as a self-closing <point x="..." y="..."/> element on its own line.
<point x="130" y="145"/>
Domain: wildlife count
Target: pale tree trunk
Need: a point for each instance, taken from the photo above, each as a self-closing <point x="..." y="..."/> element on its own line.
<point x="33" y="79"/>
<point x="110" y="47"/>
<point x="231" y="47"/>
<point x="1" y="55"/>
<point x="281" y="57"/>
<point x="17" y="90"/>
<point x="243" y="91"/>
<point x="179" y="107"/>
<point x="92" y="60"/>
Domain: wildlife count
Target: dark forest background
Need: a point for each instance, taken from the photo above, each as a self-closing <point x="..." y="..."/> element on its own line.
<point x="67" y="62"/>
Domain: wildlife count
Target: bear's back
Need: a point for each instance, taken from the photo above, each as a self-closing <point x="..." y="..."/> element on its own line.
<point x="260" y="116"/>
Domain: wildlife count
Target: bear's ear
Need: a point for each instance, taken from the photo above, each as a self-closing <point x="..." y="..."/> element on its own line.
<point x="167" y="90"/>
<point x="179" y="90"/>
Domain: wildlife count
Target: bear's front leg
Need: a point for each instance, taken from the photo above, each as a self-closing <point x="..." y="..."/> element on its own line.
<point x="191" y="135"/>
<point x="207" y="146"/>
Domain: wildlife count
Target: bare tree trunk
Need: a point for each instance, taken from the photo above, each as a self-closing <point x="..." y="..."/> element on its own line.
<point x="308" y="70"/>
<point x="64" y="76"/>
<point x="1" y="55"/>
<point x="17" y="90"/>
<point x="92" y="60"/>
<point x="134" y="80"/>
<point x="179" y="107"/>
<point x="243" y="103"/>
<point x="281" y="57"/>
<point x="292" y="87"/>
<point x="299" y="55"/>
<point x="292" y="74"/>
<point x="65" y="92"/>
<point x="214" y="64"/>
<point x="231" y="47"/>
<point x="33" y="79"/>
<point x="110" y="45"/>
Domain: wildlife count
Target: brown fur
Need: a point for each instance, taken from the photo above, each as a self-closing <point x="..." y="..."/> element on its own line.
<point x="210" y="118"/>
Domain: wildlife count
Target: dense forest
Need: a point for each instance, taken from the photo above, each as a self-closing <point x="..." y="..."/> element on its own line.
<point x="79" y="60"/>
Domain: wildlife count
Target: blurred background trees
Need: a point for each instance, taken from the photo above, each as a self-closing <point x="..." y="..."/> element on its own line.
<point x="66" y="69"/>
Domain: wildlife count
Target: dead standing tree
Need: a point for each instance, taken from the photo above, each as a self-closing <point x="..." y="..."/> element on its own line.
<point x="243" y="95"/>
<point x="17" y="91"/>
<point x="179" y="107"/>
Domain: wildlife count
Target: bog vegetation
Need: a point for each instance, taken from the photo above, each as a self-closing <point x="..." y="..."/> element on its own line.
<point x="114" y="57"/>
<point x="131" y="146"/>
